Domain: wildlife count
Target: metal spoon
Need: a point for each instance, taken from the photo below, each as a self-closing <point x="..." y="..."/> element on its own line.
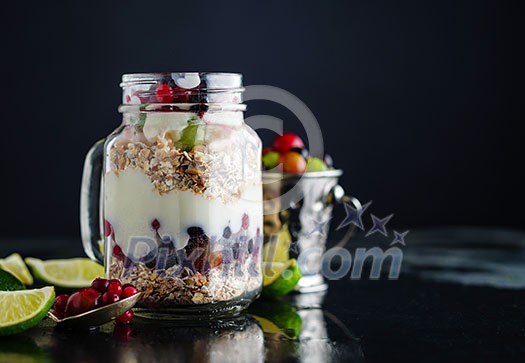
<point x="97" y="316"/>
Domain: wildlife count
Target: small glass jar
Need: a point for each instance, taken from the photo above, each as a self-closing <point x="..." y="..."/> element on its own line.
<point x="181" y="197"/>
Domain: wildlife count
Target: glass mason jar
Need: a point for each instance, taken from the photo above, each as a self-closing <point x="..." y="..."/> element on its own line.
<point x="173" y="197"/>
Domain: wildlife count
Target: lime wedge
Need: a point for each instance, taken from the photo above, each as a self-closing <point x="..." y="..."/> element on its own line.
<point x="285" y="281"/>
<point x="21" y="310"/>
<point x="273" y="270"/>
<point x="9" y="283"/>
<point x="16" y="267"/>
<point x="73" y="273"/>
<point x="277" y="249"/>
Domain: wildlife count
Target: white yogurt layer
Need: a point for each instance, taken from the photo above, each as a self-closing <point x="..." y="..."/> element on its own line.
<point x="161" y="123"/>
<point x="132" y="203"/>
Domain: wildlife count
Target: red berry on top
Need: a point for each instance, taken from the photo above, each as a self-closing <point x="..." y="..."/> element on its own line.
<point x="128" y="291"/>
<point x="107" y="228"/>
<point x="286" y="141"/>
<point x="60" y="305"/>
<point x="81" y="301"/>
<point x="125" y="318"/>
<point x="155" y="224"/>
<point x="164" y="93"/>
<point x="117" y="252"/>
<point x="115" y="287"/>
<point x="100" y="285"/>
<point x="108" y="298"/>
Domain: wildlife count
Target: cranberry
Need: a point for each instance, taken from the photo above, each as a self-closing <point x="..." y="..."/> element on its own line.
<point x="126" y="285"/>
<point x="60" y="305"/>
<point x="117" y="252"/>
<point x="155" y="224"/>
<point x="81" y="301"/>
<point x="182" y="95"/>
<point x="128" y="291"/>
<point x="125" y="318"/>
<point x="286" y="141"/>
<point x="164" y="93"/>
<point x="100" y="284"/>
<point x="115" y="287"/>
<point x="109" y="298"/>
<point x="107" y="228"/>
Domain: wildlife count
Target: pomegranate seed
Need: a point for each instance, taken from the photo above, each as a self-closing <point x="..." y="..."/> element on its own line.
<point x="115" y="287"/>
<point x="100" y="284"/>
<point x="128" y="291"/>
<point x="107" y="228"/>
<point x="109" y="298"/>
<point x="60" y="305"/>
<point x="155" y="224"/>
<point x="182" y="95"/>
<point x="164" y="93"/>
<point x="245" y="221"/>
<point x="125" y="318"/>
<point x="117" y="252"/>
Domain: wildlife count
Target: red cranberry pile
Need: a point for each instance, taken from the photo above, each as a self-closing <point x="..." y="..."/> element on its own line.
<point x="101" y="293"/>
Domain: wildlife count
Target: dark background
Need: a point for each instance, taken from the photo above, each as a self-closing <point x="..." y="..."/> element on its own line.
<point x="417" y="100"/>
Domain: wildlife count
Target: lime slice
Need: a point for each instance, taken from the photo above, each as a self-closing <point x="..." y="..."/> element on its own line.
<point x="73" y="273"/>
<point x="21" y="310"/>
<point x="277" y="249"/>
<point x="16" y="267"/>
<point x="9" y="283"/>
<point x="285" y="281"/>
<point x="273" y="270"/>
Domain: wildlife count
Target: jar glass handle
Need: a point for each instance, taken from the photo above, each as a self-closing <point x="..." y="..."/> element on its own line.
<point x="90" y="216"/>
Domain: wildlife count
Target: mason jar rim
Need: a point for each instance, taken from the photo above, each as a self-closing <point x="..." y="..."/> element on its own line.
<point x="215" y="80"/>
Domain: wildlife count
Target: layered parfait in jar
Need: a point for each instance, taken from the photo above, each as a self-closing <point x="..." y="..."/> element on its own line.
<point x="182" y="195"/>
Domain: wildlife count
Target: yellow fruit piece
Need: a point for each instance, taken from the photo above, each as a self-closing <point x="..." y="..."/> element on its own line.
<point x="273" y="270"/>
<point x="21" y="310"/>
<point x="277" y="249"/>
<point x="16" y="267"/>
<point x="71" y="273"/>
<point x="285" y="281"/>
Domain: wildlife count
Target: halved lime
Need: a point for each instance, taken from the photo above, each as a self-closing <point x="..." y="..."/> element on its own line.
<point x="21" y="310"/>
<point x="282" y="283"/>
<point x="9" y="283"/>
<point x="16" y="267"/>
<point x="73" y="273"/>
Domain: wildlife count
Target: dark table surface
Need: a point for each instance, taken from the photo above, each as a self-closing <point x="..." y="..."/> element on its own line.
<point x="460" y="297"/>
